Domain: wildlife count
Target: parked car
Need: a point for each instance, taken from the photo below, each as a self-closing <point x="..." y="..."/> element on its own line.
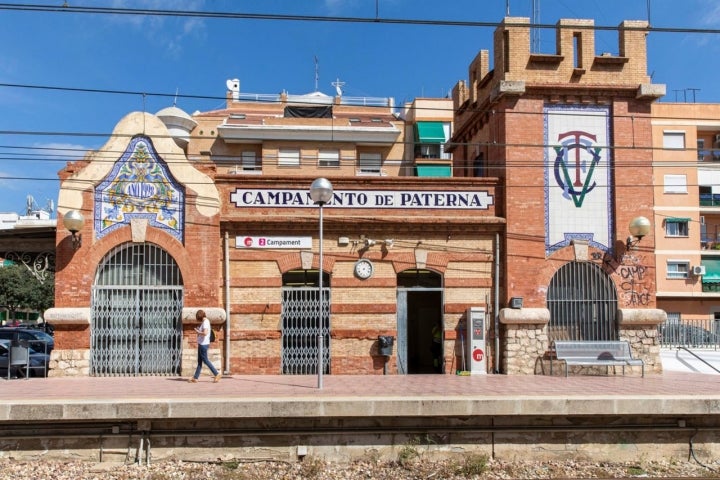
<point x="38" y="362"/>
<point x="37" y="339"/>
<point x="687" y="335"/>
<point x="44" y="326"/>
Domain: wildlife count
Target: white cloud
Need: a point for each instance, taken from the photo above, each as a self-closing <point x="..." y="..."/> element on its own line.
<point x="168" y="32"/>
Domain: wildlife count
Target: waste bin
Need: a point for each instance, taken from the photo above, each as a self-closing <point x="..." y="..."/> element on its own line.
<point x="385" y="344"/>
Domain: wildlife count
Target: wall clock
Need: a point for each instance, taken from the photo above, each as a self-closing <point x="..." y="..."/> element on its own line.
<point x="363" y="268"/>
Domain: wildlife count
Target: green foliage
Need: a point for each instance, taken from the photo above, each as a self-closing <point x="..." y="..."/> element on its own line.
<point x="19" y="289"/>
<point x="636" y="471"/>
<point x="407" y="455"/>
<point x="473" y="464"/>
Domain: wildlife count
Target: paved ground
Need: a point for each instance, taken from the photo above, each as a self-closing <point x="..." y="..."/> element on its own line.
<point x="49" y="390"/>
<point x="681" y="389"/>
<point x="692" y="361"/>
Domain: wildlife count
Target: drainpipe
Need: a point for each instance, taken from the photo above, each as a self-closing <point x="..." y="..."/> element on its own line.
<point x="496" y="310"/>
<point x="226" y="275"/>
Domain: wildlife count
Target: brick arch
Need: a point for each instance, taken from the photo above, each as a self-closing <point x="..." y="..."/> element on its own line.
<point x="293" y="261"/>
<point x="437" y="262"/>
<point x="545" y="274"/>
<point x="153" y="235"/>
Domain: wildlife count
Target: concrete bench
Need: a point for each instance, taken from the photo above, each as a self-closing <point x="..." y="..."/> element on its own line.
<point x="596" y="353"/>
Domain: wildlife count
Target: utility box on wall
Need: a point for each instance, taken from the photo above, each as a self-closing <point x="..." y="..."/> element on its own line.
<point x="477" y="353"/>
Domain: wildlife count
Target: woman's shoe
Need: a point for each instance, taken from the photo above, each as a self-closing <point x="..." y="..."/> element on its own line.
<point x="217" y="377"/>
<point x="192" y="380"/>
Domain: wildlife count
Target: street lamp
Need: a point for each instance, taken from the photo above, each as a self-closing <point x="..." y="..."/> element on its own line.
<point x="321" y="192"/>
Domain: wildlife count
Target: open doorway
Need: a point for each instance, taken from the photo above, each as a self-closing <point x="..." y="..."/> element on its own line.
<point x="420" y="300"/>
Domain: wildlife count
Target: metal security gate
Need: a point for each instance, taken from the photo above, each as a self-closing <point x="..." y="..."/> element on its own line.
<point x="583" y="304"/>
<point x="302" y="323"/>
<point x="136" y="313"/>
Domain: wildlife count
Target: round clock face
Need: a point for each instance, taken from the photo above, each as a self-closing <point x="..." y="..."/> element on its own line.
<point x="363" y="268"/>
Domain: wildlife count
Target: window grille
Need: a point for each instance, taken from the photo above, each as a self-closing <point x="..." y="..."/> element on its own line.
<point x="136" y="320"/>
<point x="583" y="304"/>
<point x="303" y="320"/>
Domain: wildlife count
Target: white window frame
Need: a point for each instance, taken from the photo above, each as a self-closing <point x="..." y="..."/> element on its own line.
<point x="674" y="229"/>
<point x="289" y="157"/>
<point x="674" y="139"/>
<point x="701" y="149"/>
<point x="370" y="163"/>
<point x="328" y="158"/>
<point x="678" y="269"/>
<point x="675" y="183"/>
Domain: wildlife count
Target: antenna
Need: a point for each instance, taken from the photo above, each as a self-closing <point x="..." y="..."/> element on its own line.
<point x="317" y="73"/>
<point x="535" y="35"/>
<point x="176" y="94"/>
<point x="234" y="86"/>
<point x="338" y="86"/>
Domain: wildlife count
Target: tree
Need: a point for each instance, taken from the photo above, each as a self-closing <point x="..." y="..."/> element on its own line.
<point x="19" y="289"/>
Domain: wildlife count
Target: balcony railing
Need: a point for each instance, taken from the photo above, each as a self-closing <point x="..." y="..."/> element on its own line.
<point x="710" y="200"/>
<point x="708" y="155"/>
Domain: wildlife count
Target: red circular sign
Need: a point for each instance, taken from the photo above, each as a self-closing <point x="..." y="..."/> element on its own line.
<point x="248" y="242"/>
<point x="477" y="355"/>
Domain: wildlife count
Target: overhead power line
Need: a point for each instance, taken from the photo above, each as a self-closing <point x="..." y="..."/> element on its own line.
<point x="319" y="18"/>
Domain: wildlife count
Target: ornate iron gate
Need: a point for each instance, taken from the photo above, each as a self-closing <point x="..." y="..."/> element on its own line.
<point x="302" y="323"/>
<point x="136" y="313"/>
<point x="583" y="303"/>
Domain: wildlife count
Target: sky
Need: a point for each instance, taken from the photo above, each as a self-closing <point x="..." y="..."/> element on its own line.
<point x="67" y="78"/>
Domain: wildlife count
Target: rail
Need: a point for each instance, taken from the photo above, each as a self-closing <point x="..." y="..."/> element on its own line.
<point x="698" y="357"/>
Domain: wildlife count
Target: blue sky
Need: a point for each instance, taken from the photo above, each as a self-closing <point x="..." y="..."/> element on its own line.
<point x="195" y="57"/>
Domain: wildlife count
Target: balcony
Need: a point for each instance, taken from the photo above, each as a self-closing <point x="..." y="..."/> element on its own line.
<point x="708" y="156"/>
<point x="709" y="199"/>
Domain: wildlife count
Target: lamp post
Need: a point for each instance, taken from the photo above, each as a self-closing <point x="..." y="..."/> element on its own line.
<point x="321" y="192"/>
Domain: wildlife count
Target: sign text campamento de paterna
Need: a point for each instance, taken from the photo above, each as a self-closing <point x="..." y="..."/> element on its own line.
<point x="463" y="200"/>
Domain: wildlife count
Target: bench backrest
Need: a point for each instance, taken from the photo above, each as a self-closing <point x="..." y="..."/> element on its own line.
<point x="601" y="350"/>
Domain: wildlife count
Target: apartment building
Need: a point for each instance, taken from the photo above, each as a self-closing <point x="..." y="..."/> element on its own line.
<point x="686" y="150"/>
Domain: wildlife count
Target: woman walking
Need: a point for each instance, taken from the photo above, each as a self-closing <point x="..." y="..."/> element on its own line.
<point x="203" y="343"/>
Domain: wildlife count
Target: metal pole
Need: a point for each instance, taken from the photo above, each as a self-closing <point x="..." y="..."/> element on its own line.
<point x="320" y="303"/>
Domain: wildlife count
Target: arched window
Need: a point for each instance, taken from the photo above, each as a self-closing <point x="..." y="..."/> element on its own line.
<point x="583" y="304"/>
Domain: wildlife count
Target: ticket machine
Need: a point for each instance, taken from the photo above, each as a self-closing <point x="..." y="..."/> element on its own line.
<point x="476" y="351"/>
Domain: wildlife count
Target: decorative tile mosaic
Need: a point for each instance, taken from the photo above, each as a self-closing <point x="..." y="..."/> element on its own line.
<point x="578" y="180"/>
<point x="140" y="186"/>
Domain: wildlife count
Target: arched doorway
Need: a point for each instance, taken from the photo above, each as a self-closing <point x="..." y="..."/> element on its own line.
<point x="303" y="320"/>
<point x="137" y="304"/>
<point x="419" y="309"/>
<point x="583" y="303"/>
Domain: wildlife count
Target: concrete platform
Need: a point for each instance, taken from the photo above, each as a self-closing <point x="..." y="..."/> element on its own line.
<point x="597" y="417"/>
<point x="118" y="398"/>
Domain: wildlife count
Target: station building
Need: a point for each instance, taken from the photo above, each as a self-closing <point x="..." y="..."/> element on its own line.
<point x="498" y="218"/>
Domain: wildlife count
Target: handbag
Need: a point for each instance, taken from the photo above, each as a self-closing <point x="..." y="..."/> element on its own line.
<point x="212" y="335"/>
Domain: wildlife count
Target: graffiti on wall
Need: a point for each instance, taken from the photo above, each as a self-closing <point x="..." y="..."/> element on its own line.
<point x="635" y="279"/>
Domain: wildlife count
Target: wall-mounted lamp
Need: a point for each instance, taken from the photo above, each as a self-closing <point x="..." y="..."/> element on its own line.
<point x="73" y="221"/>
<point x="343" y="241"/>
<point x="639" y="227"/>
